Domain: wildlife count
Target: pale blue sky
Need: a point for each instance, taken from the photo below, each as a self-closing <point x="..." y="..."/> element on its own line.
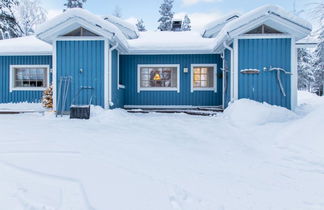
<point x="200" y="11"/>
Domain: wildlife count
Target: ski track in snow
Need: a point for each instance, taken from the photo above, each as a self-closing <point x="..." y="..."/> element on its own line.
<point x="36" y="206"/>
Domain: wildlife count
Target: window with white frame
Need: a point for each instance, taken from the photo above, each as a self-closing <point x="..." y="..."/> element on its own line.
<point x="29" y="77"/>
<point x="203" y="77"/>
<point x="158" y="77"/>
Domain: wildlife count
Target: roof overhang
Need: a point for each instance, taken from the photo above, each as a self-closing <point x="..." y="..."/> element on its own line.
<point x="272" y="19"/>
<point x="70" y="24"/>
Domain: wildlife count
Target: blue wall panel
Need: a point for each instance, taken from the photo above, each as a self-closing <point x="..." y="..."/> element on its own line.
<point x="227" y="77"/>
<point x="19" y="96"/>
<point x="88" y="56"/>
<point x="117" y="94"/>
<point x="264" y="87"/>
<point x="129" y="63"/>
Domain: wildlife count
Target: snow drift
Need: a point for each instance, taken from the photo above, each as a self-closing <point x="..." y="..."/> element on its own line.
<point x="247" y="112"/>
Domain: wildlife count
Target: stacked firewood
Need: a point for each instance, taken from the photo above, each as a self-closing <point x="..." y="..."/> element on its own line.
<point x="48" y="98"/>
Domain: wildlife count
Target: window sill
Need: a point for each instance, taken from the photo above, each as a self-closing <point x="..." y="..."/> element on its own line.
<point x="203" y="89"/>
<point x="158" y="89"/>
<point x="27" y="89"/>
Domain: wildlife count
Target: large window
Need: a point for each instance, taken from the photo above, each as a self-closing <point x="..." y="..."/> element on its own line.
<point x="29" y="77"/>
<point x="158" y="77"/>
<point x="203" y="77"/>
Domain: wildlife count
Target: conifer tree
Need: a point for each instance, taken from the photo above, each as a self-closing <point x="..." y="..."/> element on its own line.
<point x="305" y="69"/>
<point x="74" y="4"/>
<point x="140" y="25"/>
<point x="186" y="24"/>
<point x="8" y="22"/>
<point x="166" y="15"/>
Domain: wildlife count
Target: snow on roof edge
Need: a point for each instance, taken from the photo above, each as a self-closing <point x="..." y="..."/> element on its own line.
<point x="122" y="23"/>
<point x="28" y="45"/>
<point x="84" y="15"/>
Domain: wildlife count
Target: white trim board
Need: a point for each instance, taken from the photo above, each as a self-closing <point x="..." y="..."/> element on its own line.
<point x="214" y="88"/>
<point x="54" y="78"/>
<point x="80" y="38"/>
<point x="293" y="80"/>
<point x="264" y="36"/>
<point x="11" y="77"/>
<point x="139" y="88"/>
<point x="235" y="69"/>
<point x="166" y="106"/>
<point x="106" y="73"/>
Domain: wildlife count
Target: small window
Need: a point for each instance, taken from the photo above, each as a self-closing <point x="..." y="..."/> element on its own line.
<point x="158" y="77"/>
<point x="203" y="77"/>
<point x="81" y="32"/>
<point x="264" y="29"/>
<point x="29" y="77"/>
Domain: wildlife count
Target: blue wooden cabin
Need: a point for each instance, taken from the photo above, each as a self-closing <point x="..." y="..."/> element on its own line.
<point x="239" y="56"/>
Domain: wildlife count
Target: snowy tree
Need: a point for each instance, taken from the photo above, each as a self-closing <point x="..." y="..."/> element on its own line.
<point x="28" y="14"/>
<point x="305" y="69"/>
<point x="117" y="12"/>
<point x="74" y="4"/>
<point x="318" y="12"/>
<point x="166" y="15"/>
<point x="319" y="64"/>
<point x="8" y="22"/>
<point x="140" y="25"/>
<point x="186" y="24"/>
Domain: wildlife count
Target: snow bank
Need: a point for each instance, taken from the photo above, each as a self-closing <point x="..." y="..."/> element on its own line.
<point x="21" y="106"/>
<point x="24" y="45"/>
<point x="247" y="112"/>
<point x="170" y="41"/>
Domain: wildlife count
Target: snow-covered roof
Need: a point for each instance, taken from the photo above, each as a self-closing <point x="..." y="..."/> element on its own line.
<point x="28" y="45"/>
<point x="131" y="41"/>
<point x="128" y="29"/>
<point x="309" y="41"/>
<point x="168" y="41"/>
<point x="271" y="15"/>
<point x="72" y="19"/>
<point x="213" y="28"/>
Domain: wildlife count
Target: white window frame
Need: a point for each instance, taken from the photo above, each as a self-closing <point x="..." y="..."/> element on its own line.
<point x="139" y="88"/>
<point x="214" y="88"/>
<point x="11" y="75"/>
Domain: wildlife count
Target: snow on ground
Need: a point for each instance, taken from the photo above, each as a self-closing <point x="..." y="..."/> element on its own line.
<point x="253" y="156"/>
<point x="22" y="106"/>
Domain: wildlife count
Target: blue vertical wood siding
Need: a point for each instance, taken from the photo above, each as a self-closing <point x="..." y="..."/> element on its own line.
<point x="117" y="94"/>
<point x="129" y="63"/>
<point x="19" y="96"/>
<point x="88" y="56"/>
<point x="227" y="77"/>
<point x="264" y="87"/>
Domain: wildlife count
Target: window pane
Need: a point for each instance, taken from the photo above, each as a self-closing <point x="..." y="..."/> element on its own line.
<point x="158" y="77"/>
<point x="30" y="77"/>
<point x="203" y="77"/>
